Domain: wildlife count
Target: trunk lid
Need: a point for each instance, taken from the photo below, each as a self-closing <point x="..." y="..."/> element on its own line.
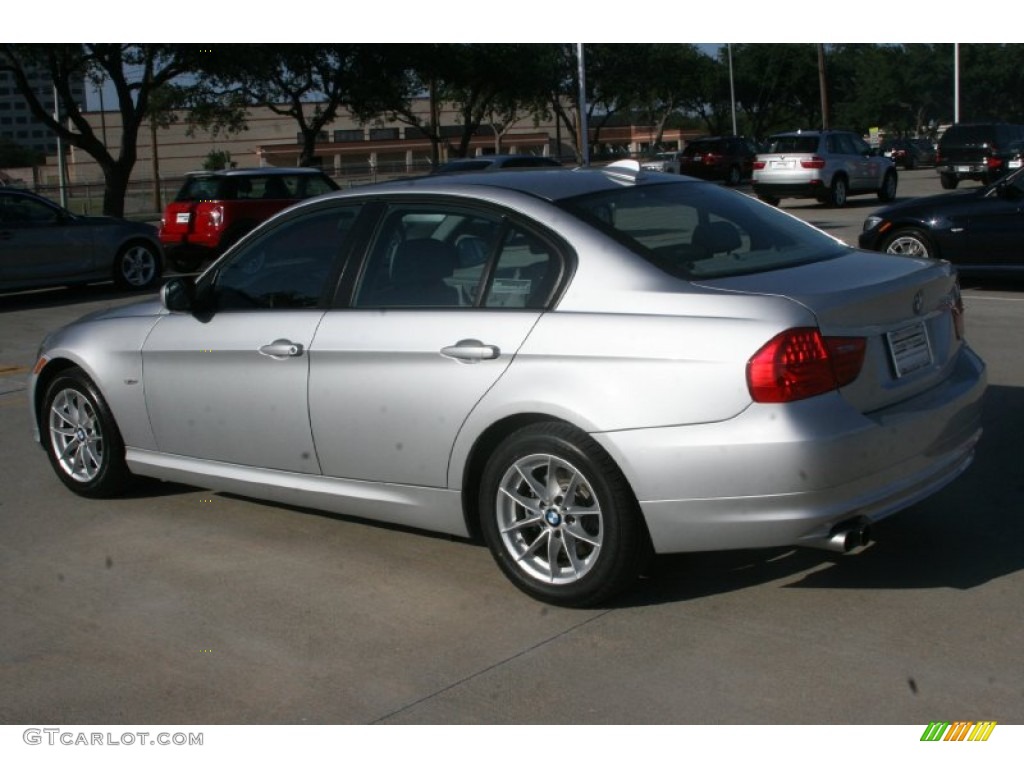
<point x="905" y="308"/>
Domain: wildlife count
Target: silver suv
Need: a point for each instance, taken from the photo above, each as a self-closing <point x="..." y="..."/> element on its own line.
<point x="827" y="165"/>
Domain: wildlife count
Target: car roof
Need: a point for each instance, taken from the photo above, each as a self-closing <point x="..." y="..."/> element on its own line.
<point x="551" y="184"/>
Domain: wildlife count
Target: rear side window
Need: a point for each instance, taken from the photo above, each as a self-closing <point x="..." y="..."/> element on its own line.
<point x="447" y="256"/>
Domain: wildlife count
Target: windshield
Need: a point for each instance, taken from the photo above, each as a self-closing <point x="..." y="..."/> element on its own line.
<point x="701" y="230"/>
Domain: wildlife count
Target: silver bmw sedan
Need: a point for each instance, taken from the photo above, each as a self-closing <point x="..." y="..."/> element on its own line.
<point x="582" y="367"/>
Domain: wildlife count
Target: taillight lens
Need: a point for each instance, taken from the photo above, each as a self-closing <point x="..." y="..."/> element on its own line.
<point x="993" y="162"/>
<point x="215" y="215"/>
<point x="813" y="162"/>
<point x="801" y="363"/>
<point x="712" y="159"/>
<point x="759" y="165"/>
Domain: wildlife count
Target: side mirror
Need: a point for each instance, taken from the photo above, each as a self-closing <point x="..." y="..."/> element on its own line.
<point x="178" y="294"/>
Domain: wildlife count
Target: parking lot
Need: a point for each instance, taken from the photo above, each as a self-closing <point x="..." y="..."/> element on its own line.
<point x="178" y="605"/>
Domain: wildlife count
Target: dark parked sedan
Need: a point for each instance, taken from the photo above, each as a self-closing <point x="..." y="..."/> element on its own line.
<point x="42" y="244"/>
<point x="979" y="230"/>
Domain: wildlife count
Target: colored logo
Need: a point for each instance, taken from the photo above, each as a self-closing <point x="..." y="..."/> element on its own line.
<point x="961" y="730"/>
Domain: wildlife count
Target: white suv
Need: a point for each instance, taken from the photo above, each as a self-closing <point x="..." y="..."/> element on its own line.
<point x="826" y="165"/>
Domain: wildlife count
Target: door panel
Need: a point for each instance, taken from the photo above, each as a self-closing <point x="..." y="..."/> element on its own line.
<point x="385" y="401"/>
<point x="212" y="394"/>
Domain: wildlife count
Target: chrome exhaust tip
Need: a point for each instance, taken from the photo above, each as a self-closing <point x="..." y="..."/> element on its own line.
<point x="845" y="537"/>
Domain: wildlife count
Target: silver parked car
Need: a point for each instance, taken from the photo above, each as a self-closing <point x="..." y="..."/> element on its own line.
<point x="42" y="244"/>
<point x="580" y="366"/>
<point x="829" y="166"/>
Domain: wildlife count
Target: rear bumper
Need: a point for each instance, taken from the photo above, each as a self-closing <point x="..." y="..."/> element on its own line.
<point x="810" y="188"/>
<point x="787" y="475"/>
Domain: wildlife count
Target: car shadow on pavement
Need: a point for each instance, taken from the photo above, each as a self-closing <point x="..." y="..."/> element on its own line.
<point x="963" y="537"/>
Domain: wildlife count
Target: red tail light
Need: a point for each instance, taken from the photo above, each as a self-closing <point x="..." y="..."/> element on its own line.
<point x="813" y="162"/>
<point x="759" y="165"/>
<point x="801" y="363"/>
<point x="211" y="213"/>
<point x="993" y="162"/>
<point x="712" y="159"/>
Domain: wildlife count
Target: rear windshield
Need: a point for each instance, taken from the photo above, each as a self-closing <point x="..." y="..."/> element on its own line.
<point x="701" y="230"/>
<point x="254" y="187"/>
<point x="702" y="148"/>
<point x="793" y="144"/>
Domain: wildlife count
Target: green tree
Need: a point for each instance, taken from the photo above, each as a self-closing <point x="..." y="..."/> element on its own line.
<point x="136" y="71"/>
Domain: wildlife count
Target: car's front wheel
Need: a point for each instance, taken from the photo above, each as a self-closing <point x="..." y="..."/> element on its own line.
<point x="909" y="242"/>
<point x="560" y="518"/>
<point x="81" y="437"/>
<point x="137" y="267"/>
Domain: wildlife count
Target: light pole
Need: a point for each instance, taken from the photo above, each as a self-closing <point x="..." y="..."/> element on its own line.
<point x="582" y="122"/>
<point x="732" y="90"/>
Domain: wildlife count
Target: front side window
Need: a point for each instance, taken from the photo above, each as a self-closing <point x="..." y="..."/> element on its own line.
<point x="698" y="230"/>
<point x="287" y="267"/>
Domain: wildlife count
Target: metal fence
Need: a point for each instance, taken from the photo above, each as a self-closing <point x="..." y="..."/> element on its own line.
<point x="143" y="201"/>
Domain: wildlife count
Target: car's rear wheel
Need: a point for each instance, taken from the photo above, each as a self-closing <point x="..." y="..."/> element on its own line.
<point x="909" y="242"/>
<point x="837" y="192"/>
<point x="560" y="518"/>
<point x="734" y="177"/>
<point x="948" y="180"/>
<point x="81" y="438"/>
<point x="137" y="267"/>
<point x="887" y="192"/>
<point x="771" y="200"/>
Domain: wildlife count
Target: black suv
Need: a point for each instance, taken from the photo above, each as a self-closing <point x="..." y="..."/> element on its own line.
<point x="719" y="158"/>
<point x="979" y="151"/>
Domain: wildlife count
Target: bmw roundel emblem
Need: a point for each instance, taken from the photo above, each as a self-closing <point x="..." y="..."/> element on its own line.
<point x="918" y="302"/>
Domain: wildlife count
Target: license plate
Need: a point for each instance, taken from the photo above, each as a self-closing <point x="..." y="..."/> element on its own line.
<point x="909" y="348"/>
<point x="1014" y="164"/>
<point x="963" y="169"/>
<point x="783" y="163"/>
<point x="182" y="218"/>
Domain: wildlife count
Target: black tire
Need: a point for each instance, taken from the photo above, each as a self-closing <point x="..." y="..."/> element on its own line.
<point x="887" y="192"/>
<point x="910" y="241"/>
<point x="838" y="192"/>
<point x="137" y="266"/>
<point x="574" y="552"/>
<point x="186" y="264"/>
<point x="948" y="180"/>
<point x="81" y="438"/>
<point x="734" y="177"/>
<point x="768" y="199"/>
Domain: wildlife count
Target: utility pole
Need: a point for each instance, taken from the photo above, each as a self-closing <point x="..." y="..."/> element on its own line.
<point x="956" y="82"/>
<point x="823" y="86"/>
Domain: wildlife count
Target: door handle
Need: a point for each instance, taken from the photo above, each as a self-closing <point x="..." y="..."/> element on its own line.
<point x="471" y="351"/>
<point x="281" y="348"/>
